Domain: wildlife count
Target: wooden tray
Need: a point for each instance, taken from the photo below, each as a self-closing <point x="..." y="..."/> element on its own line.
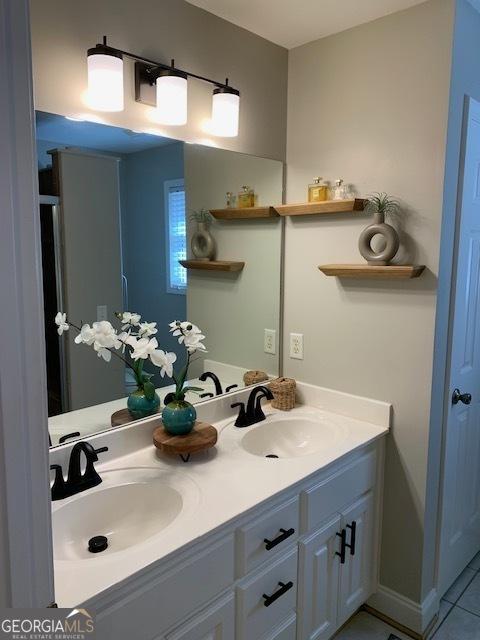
<point x="203" y="436"/>
<point x="123" y="416"/>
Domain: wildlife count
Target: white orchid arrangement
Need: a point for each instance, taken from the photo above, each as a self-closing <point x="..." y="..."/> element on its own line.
<point x="136" y="341"/>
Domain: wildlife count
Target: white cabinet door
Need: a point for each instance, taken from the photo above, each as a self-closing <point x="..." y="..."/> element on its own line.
<point x="215" y="623"/>
<point x="356" y="574"/>
<point x="319" y="567"/>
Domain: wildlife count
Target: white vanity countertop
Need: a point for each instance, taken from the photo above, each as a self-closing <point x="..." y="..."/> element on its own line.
<point x="223" y="483"/>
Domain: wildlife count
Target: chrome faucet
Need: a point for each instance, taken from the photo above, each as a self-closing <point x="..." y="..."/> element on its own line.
<point x="77" y="481"/>
<point x="254" y="412"/>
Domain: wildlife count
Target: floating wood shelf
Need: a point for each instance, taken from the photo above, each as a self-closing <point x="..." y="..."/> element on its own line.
<point x="393" y="272"/>
<point x="325" y="207"/>
<point x="212" y="265"/>
<point x="244" y="213"/>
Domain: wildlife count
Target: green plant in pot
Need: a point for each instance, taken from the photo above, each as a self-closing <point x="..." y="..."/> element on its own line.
<point x="380" y="204"/>
<point x="134" y="344"/>
<point x="178" y="415"/>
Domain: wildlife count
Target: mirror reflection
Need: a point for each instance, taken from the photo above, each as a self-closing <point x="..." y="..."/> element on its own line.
<point x="129" y="242"/>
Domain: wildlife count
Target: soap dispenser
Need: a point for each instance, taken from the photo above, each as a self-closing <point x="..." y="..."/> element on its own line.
<point x="317" y="192"/>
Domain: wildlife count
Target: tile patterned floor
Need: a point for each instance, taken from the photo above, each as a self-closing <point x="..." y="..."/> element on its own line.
<point x="458" y="619"/>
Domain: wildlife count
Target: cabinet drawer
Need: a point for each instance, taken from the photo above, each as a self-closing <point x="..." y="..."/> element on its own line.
<point x="215" y="623"/>
<point x="336" y="491"/>
<point x="286" y="631"/>
<point x="255" y="619"/>
<point x="157" y="606"/>
<point x="276" y="526"/>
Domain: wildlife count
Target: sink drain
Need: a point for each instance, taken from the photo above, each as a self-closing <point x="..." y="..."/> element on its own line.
<point x="271" y="455"/>
<point x="97" y="544"/>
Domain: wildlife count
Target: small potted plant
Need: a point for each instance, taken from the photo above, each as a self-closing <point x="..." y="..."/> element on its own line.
<point x="135" y="344"/>
<point x="380" y="204"/>
<point x="202" y="243"/>
<point x="178" y="415"/>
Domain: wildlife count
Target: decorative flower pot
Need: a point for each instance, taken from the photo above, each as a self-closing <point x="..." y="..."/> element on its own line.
<point x="389" y="234"/>
<point x="139" y="406"/>
<point x="178" y="417"/>
<point x="203" y="243"/>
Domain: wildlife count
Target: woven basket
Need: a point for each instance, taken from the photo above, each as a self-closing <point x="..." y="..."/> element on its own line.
<point x="254" y="377"/>
<point x="283" y="390"/>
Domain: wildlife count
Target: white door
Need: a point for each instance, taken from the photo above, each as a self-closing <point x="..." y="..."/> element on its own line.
<point x="460" y="529"/>
<point x="319" y="567"/>
<point x="215" y="623"/>
<point x="357" y="572"/>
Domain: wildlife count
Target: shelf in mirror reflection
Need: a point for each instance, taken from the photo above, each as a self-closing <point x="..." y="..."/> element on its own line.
<point x="213" y="265"/>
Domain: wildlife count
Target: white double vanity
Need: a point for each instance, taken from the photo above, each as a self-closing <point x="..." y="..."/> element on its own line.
<point x="232" y="544"/>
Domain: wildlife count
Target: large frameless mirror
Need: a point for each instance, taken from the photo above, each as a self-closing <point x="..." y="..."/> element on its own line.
<point x="120" y="212"/>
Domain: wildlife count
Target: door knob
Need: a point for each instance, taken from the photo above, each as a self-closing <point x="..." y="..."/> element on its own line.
<point x="457" y="397"/>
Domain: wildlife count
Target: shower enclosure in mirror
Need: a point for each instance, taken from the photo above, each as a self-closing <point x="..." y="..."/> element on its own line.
<point x="118" y="211"/>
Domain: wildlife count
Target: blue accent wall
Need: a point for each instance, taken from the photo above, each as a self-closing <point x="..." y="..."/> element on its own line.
<point x="144" y="229"/>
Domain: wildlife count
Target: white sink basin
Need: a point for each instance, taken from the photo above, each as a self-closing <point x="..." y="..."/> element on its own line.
<point x="129" y="507"/>
<point x="292" y="437"/>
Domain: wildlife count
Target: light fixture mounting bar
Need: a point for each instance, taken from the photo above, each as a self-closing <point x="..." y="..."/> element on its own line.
<point x="145" y="78"/>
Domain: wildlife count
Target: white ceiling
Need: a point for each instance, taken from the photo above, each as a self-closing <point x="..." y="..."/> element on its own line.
<point x="291" y="23"/>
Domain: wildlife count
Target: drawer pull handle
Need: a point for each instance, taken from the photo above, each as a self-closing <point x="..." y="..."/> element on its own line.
<point x="343" y="544"/>
<point x="285" y="533"/>
<point x="284" y="587"/>
<point x="353" y="537"/>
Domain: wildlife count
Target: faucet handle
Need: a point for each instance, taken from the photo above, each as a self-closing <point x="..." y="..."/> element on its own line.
<point x="58" y="489"/>
<point x="230" y="387"/>
<point x="101" y="450"/>
<point x="241" y="420"/>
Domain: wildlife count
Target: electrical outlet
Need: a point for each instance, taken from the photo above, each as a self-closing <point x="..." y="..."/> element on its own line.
<point x="296" y="346"/>
<point x="270" y="341"/>
<point x="102" y="313"/>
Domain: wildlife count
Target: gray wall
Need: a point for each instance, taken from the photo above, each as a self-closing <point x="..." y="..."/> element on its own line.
<point x="144" y="229"/>
<point x="162" y="29"/>
<point x="465" y="81"/>
<point x="233" y="309"/>
<point x="370" y="105"/>
<point x="90" y="210"/>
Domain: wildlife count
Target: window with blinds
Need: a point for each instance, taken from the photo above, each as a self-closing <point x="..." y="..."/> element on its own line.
<point x="176" y="235"/>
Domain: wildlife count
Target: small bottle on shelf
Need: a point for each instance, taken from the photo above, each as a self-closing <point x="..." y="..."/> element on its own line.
<point x="339" y="191"/>
<point x="246" y="197"/>
<point x="230" y="199"/>
<point x="317" y="192"/>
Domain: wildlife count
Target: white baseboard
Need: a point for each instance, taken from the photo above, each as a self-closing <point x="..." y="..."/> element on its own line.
<point x="413" y="615"/>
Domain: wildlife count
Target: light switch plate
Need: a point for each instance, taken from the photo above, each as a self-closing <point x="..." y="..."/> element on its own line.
<point x="296" y="346"/>
<point x="270" y="341"/>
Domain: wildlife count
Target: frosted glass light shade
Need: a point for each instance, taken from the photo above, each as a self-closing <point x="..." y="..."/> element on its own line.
<point x="171" y="99"/>
<point x="225" y="112"/>
<point x="105" y="82"/>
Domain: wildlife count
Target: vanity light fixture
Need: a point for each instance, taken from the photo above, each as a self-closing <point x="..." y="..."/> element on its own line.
<point x="105" y="78"/>
<point x="171" y="87"/>
<point x="225" y="111"/>
<point x="157" y="84"/>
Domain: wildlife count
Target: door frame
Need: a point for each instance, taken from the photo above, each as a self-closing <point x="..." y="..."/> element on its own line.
<point x="26" y="559"/>
<point x="441" y="392"/>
